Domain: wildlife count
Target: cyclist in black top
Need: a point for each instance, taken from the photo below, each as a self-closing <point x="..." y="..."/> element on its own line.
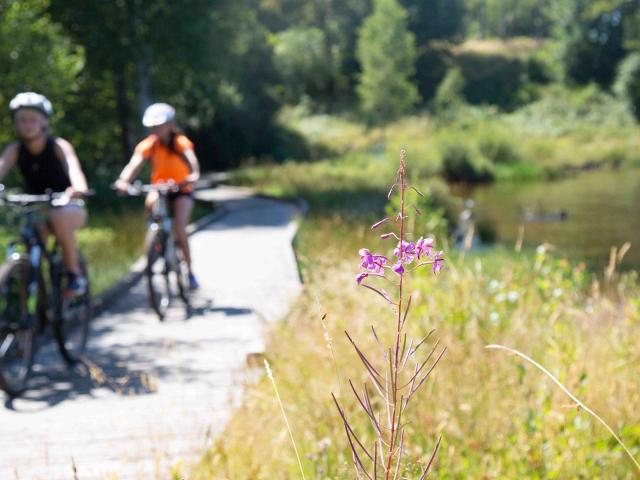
<point x="49" y="163"/>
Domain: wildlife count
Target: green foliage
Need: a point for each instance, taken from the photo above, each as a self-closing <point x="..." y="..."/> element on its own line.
<point x="627" y="84"/>
<point x="450" y="92"/>
<point x="498" y="146"/>
<point x="35" y="54"/>
<point x="432" y="65"/>
<point x="592" y="38"/>
<point x="462" y="163"/>
<point x="435" y="19"/>
<point x="303" y="62"/>
<point x="387" y="53"/>
<point x="491" y="78"/>
<point x="507" y="18"/>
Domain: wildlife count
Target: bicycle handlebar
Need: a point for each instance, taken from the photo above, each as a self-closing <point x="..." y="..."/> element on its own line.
<point x="56" y="199"/>
<point x="137" y="189"/>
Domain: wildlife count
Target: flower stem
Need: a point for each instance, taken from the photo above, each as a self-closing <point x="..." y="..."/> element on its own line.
<point x="396" y="346"/>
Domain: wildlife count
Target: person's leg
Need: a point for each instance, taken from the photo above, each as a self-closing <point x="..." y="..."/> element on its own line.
<point x="182" y="205"/>
<point x="64" y="222"/>
<point x="149" y="201"/>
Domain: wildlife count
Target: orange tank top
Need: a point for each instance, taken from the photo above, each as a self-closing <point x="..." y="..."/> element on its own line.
<point x="166" y="163"/>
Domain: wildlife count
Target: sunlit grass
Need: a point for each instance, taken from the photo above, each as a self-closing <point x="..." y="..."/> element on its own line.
<point x="564" y="131"/>
<point x="498" y="419"/>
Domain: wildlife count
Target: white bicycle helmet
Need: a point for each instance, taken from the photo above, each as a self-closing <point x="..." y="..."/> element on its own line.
<point x="158" y="114"/>
<point x="31" y="100"/>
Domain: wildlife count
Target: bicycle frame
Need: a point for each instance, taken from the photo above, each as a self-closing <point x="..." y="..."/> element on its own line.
<point x="160" y="243"/>
<point x="35" y="252"/>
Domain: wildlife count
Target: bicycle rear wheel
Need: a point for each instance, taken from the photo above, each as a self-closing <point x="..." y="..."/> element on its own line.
<point x="71" y="326"/>
<point x="157" y="273"/>
<point x="17" y="310"/>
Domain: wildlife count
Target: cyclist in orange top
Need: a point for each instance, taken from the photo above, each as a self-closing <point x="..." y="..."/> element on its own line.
<point x="172" y="160"/>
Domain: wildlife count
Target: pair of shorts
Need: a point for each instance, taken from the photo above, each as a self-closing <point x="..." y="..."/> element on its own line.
<point x="174" y="195"/>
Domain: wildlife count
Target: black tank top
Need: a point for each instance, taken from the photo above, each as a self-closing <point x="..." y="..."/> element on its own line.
<point x="44" y="171"/>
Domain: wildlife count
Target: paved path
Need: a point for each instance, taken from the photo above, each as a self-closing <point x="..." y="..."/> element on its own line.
<point x="157" y="393"/>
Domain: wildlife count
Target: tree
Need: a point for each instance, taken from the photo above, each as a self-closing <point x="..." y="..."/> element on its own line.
<point x="593" y="37"/>
<point x="627" y="84"/>
<point x="211" y="59"/>
<point x="35" y="55"/>
<point x="303" y="62"/>
<point x="386" y="51"/>
<point x="337" y="20"/>
<point x="435" y="19"/>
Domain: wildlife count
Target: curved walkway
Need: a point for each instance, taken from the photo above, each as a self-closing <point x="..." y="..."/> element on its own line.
<point x="154" y="394"/>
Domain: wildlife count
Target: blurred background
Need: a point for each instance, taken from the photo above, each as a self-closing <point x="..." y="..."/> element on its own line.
<point x="479" y="91"/>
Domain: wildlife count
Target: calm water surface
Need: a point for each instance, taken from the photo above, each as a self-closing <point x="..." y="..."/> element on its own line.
<point x="602" y="209"/>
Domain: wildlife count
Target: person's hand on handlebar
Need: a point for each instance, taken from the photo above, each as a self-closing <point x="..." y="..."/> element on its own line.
<point x="72" y="192"/>
<point x="121" y="185"/>
<point x="192" y="178"/>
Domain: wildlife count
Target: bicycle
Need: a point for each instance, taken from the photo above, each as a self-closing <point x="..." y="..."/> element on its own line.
<point x="166" y="265"/>
<point x="30" y="300"/>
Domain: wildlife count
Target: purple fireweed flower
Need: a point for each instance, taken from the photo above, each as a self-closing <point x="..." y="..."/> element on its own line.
<point x="405" y="251"/>
<point x="398" y="268"/>
<point x="437" y="261"/>
<point x="424" y="247"/>
<point x="372" y="262"/>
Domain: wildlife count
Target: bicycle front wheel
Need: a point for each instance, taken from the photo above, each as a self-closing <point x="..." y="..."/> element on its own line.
<point x="17" y="311"/>
<point x="182" y="276"/>
<point x="157" y="273"/>
<point x="71" y="326"/>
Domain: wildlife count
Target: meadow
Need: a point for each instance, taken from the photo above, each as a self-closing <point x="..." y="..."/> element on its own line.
<point x="498" y="416"/>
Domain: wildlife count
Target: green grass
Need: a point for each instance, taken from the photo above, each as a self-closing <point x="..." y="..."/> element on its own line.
<point x="563" y="132"/>
<point x="111" y="241"/>
<point x="498" y="417"/>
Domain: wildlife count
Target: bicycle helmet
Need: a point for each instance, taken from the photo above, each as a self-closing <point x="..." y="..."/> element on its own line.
<point x="158" y="114"/>
<point x="31" y="100"/>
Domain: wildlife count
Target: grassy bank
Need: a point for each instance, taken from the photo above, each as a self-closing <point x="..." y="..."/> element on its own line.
<point x="563" y="132"/>
<point x="498" y="417"/>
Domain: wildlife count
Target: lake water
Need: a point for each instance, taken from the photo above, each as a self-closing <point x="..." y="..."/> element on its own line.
<point x="601" y="209"/>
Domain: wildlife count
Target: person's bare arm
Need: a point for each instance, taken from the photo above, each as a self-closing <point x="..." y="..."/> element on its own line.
<point x="190" y="155"/>
<point x="8" y="159"/>
<point x="130" y="171"/>
<point x="70" y="159"/>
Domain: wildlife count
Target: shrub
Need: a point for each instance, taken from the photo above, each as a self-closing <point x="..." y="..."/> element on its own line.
<point x="627" y="84"/>
<point x="498" y="147"/>
<point x="303" y="63"/>
<point x="450" y="91"/>
<point x="491" y="78"/>
<point x="386" y="50"/>
<point x="432" y="66"/>
<point x="460" y="163"/>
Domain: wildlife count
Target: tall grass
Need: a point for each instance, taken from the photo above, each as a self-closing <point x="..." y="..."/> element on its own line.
<point x="497" y="419"/>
